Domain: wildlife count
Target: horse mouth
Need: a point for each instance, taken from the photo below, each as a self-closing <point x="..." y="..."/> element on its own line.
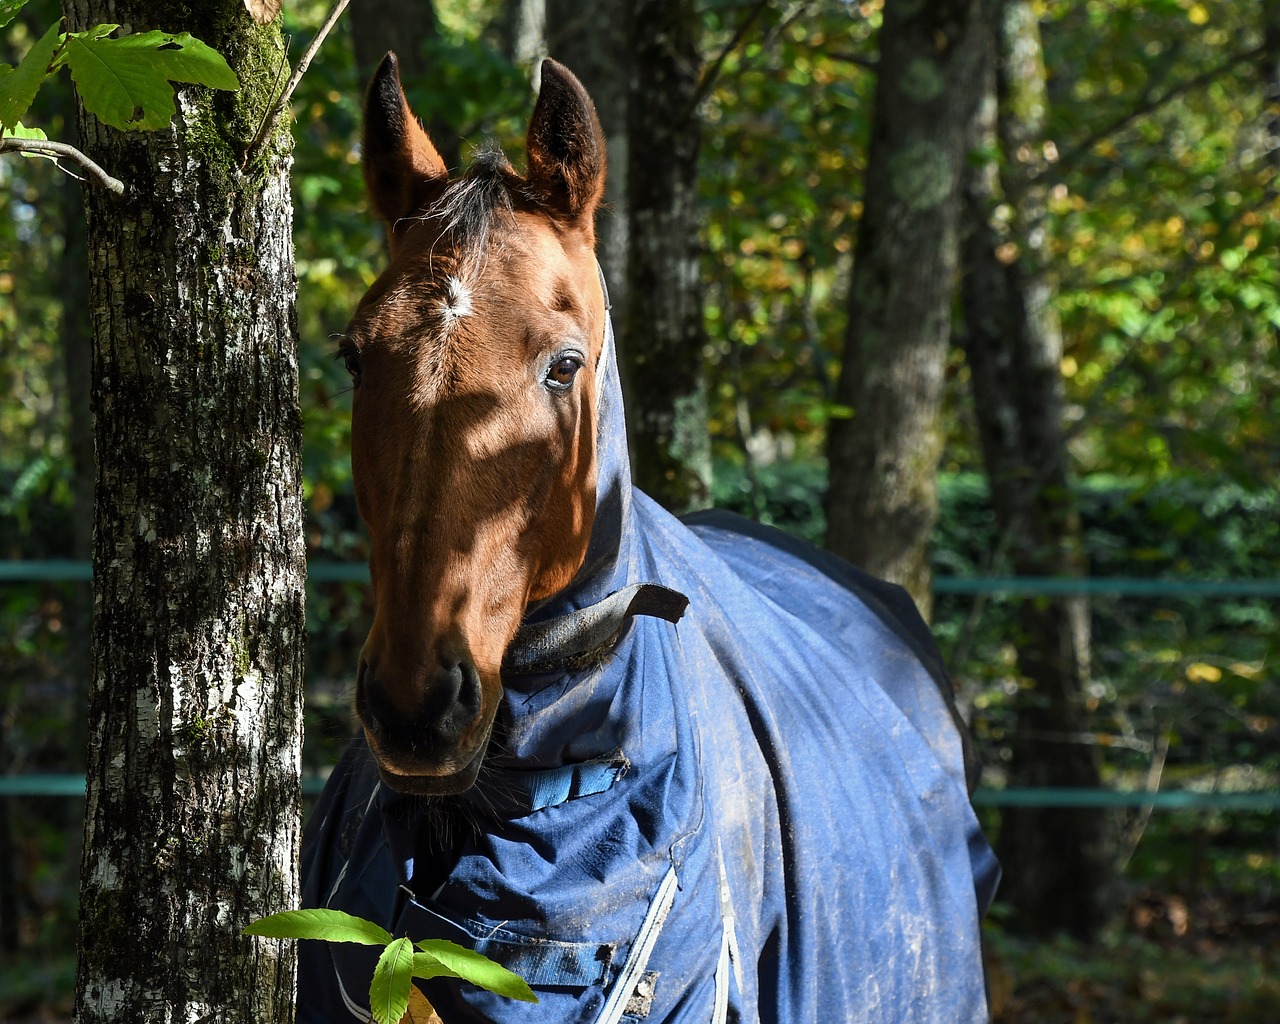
<point x="410" y="760"/>
<point x="417" y="784"/>
<point x="432" y="785"/>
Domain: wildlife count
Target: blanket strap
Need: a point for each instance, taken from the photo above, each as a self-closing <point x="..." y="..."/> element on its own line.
<point x="588" y="636"/>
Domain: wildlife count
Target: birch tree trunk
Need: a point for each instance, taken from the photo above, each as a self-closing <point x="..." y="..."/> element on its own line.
<point x="1056" y="860"/>
<point x="663" y="361"/>
<point x="882" y="496"/>
<point x="192" y="822"/>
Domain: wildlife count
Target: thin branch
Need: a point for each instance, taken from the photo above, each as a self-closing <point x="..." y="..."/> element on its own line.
<point x="1142" y="109"/>
<point x="869" y="63"/>
<point x="45" y="147"/>
<point x="1154" y="772"/>
<point x="269" y="122"/>
<point x="712" y="71"/>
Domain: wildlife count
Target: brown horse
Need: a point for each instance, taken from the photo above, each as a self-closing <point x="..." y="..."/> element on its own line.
<point x="730" y="781"/>
<point x="473" y="429"/>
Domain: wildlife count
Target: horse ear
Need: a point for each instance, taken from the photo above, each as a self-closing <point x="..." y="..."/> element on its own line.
<point x="402" y="169"/>
<point x="565" y="147"/>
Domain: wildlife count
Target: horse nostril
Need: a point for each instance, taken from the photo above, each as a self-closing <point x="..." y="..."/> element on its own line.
<point x="462" y="683"/>
<point x="440" y="715"/>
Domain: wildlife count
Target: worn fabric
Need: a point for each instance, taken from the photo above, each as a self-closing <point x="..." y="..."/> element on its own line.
<point x="756" y="812"/>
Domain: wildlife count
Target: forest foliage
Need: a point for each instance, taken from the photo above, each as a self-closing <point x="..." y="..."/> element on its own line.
<point x="1161" y="159"/>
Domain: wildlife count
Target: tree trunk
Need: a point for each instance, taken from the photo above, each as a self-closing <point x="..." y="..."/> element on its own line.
<point x="882" y="499"/>
<point x="192" y="822"/>
<point x="664" y="327"/>
<point x="1271" y="76"/>
<point x="524" y="32"/>
<point x="593" y="42"/>
<point x="1055" y="859"/>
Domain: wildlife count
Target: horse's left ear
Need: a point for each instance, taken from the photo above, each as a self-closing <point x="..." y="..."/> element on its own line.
<point x="565" y="147"/>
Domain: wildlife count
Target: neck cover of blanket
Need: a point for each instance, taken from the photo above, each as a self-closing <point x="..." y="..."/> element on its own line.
<point x="751" y="809"/>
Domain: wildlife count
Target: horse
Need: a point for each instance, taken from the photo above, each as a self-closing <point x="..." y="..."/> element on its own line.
<point x="666" y="770"/>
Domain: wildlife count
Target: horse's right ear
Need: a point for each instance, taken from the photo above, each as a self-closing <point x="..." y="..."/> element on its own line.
<point x="402" y="169"/>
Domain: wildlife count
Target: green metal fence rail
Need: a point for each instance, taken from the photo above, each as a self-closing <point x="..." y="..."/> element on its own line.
<point x="57" y="570"/>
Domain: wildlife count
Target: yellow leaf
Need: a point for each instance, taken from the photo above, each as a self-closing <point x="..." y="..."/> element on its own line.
<point x="263" y="11"/>
<point x="1197" y="14"/>
<point x="1202" y="673"/>
<point x="420" y="1011"/>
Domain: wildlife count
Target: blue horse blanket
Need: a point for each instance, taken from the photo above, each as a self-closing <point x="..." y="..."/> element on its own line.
<point x="754" y="808"/>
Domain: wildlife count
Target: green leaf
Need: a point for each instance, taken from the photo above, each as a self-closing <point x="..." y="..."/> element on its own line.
<point x="392" y="979"/>
<point x="19" y="87"/>
<point x="184" y="58"/>
<point x="95" y="32"/>
<point x="125" y="82"/>
<point x="332" y="925"/>
<point x="9" y="8"/>
<point x="21" y="131"/>
<point x="451" y="960"/>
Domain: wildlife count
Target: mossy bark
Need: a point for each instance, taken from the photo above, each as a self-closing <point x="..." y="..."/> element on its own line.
<point x="193" y="819"/>
<point x="882" y="498"/>
<point x="1056" y="860"/>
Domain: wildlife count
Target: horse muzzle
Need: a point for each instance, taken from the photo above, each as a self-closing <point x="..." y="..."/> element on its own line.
<point x="428" y="735"/>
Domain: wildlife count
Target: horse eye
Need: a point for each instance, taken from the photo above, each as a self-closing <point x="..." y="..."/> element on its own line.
<point x="352" y="362"/>
<point x="562" y="372"/>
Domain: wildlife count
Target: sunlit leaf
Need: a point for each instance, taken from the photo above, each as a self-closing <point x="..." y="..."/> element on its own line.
<point x="332" y="925"/>
<point x="19" y="87"/>
<point x="392" y="982"/>
<point x="21" y="131"/>
<point x="460" y="962"/>
<point x="9" y="8"/>
<point x="125" y="82"/>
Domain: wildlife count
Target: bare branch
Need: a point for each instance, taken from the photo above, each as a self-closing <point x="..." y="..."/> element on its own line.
<point x="712" y="71"/>
<point x="269" y="122"/>
<point x="62" y="150"/>
<point x="869" y="63"/>
<point x="1149" y="106"/>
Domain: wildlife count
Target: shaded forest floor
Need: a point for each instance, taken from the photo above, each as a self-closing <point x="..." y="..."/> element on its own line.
<point x="1209" y="960"/>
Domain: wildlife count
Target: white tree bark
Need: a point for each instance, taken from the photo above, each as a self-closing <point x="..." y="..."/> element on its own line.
<point x="193" y="819"/>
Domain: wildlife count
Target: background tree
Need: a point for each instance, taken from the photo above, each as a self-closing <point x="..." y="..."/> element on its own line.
<point x="594" y="42"/>
<point x="883" y="459"/>
<point x="411" y="29"/>
<point x="193" y="800"/>
<point x="1056" y="860"/>
<point x="663" y="362"/>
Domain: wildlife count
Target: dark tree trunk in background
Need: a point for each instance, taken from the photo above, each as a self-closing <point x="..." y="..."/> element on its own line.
<point x="405" y="27"/>
<point x="882" y="498"/>
<point x="1056" y="860"/>
<point x="1271" y="76"/>
<point x="592" y="41"/>
<point x="665" y="333"/>
<point x="192" y="823"/>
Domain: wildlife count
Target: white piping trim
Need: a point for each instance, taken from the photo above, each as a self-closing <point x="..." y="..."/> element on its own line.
<point x="646" y="939"/>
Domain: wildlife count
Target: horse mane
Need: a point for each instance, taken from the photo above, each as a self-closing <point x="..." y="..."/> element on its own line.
<point x="471" y="204"/>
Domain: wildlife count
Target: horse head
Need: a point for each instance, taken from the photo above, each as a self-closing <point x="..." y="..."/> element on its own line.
<point x="473" y="427"/>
